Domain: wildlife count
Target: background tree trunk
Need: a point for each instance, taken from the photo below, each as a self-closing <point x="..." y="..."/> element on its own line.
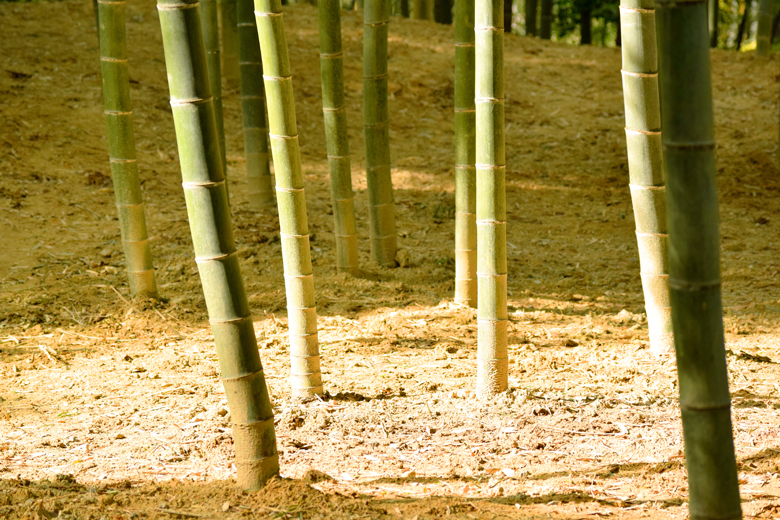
<point x="713" y="17"/>
<point x="585" y="26"/>
<point x="530" y="17"/>
<point x="764" y="30"/>
<point x="743" y="24"/>
<point x="545" y="26"/>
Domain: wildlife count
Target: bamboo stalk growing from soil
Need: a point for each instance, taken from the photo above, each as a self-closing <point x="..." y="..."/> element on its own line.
<point x="305" y="376"/>
<point x="121" y="147"/>
<point x="764" y="31"/>
<point x="228" y="16"/>
<point x="421" y="9"/>
<point x="645" y="164"/>
<point x="334" y="109"/>
<point x="258" y="171"/>
<point x="694" y="264"/>
<point x="210" y="24"/>
<point x="215" y="250"/>
<point x="381" y="208"/>
<point x="465" y="150"/>
<point x="545" y="23"/>
<point x="492" y="356"/>
<point x="530" y="17"/>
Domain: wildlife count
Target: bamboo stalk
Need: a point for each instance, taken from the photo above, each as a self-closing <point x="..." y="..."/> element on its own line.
<point x="645" y="164"/>
<point x="465" y="150"/>
<point x="530" y="17"/>
<point x="694" y="264"/>
<point x="492" y="356"/>
<point x="545" y="23"/>
<point x="305" y="376"/>
<point x="121" y="147"/>
<point x="764" y="31"/>
<point x="258" y="171"/>
<point x="228" y="17"/>
<point x="421" y="9"/>
<point x="215" y="251"/>
<point x="334" y="109"/>
<point x="381" y="208"/>
<point x="210" y="24"/>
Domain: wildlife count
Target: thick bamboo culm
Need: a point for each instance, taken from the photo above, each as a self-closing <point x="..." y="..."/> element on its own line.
<point x="764" y="30"/>
<point x="694" y="265"/>
<point x="645" y="164"/>
<point x="210" y="23"/>
<point x="228" y="18"/>
<point x="492" y="356"/>
<point x="530" y="17"/>
<point x="215" y="251"/>
<point x="260" y="182"/>
<point x="421" y="9"/>
<point x="305" y="376"/>
<point x="465" y="158"/>
<point x="334" y="109"/>
<point x="381" y="208"/>
<point x="545" y="20"/>
<point x="121" y="148"/>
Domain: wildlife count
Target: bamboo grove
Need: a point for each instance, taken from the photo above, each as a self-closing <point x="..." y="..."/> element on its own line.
<point x="671" y="178"/>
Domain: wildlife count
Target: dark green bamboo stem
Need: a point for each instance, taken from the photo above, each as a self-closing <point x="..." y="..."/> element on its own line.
<point x="381" y="208"/>
<point x="210" y="24"/>
<point x="492" y="356"/>
<point x="465" y="150"/>
<point x="228" y="16"/>
<point x="421" y="9"/>
<point x="215" y="249"/>
<point x="694" y="265"/>
<point x="713" y="16"/>
<point x="645" y="164"/>
<point x="121" y="147"/>
<point x="258" y="172"/>
<point x="545" y="24"/>
<point x="530" y="17"/>
<point x="334" y="109"/>
<point x="305" y="376"/>
<point x="764" y="31"/>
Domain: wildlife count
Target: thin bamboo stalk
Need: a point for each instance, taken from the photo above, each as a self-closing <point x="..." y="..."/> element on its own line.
<point x="694" y="264"/>
<point x="545" y="23"/>
<point x="210" y="24"/>
<point x="421" y="9"/>
<point x="334" y="109"/>
<point x="121" y="147"/>
<point x="530" y="17"/>
<point x="465" y="157"/>
<point x="305" y="376"/>
<point x="228" y="17"/>
<point x="215" y="251"/>
<point x="764" y="31"/>
<point x="492" y="356"/>
<point x="645" y="164"/>
<point x="258" y="171"/>
<point x="381" y="208"/>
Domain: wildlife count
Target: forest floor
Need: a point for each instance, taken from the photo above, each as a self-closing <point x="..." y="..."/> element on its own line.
<point x="112" y="407"/>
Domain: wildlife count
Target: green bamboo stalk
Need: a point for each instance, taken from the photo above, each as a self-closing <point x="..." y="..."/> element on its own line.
<point x="492" y="356"/>
<point x="210" y="24"/>
<point x="258" y="172"/>
<point x="305" y="376"/>
<point x="121" y="147"/>
<point x="465" y="150"/>
<point x="694" y="264"/>
<point x="381" y="208"/>
<point x="421" y="9"/>
<point x="645" y="164"/>
<point x="334" y="109"/>
<point x="530" y="17"/>
<point x="215" y="251"/>
<point x="764" y="31"/>
<point x="545" y="23"/>
<point x="228" y="17"/>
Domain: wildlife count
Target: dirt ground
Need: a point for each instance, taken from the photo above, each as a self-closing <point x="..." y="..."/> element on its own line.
<point x="112" y="407"/>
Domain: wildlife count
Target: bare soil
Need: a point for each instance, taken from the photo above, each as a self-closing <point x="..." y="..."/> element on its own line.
<point x="112" y="407"/>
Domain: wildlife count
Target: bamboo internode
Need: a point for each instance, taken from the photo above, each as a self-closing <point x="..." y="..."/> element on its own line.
<point x="305" y="376"/>
<point x="215" y="251"/>
<point x="492" y="355"/>
<point x="121" y="148"/>
<point x="258" y="171"/>
<point x="334" y="108"/>
<point x="645" y="164"/>
<point x="465" y="150"/>
<point x="694" y="260"/>
<point x="210" y="23"/>
<point x="228" y="16"/>
<point x="381" y="207"/>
